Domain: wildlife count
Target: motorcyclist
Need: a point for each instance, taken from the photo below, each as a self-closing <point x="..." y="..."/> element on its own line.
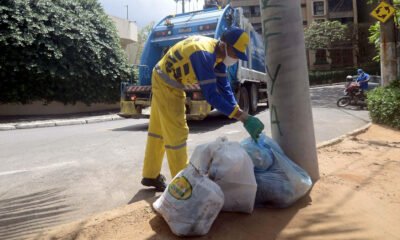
<point x="362" y="80"/>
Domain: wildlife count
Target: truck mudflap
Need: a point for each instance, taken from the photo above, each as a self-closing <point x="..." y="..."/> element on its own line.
<point x="129" y="109"/>
<point x="196" y="110"/>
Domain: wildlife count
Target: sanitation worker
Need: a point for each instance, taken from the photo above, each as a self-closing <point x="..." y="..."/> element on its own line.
<point x="197" y="59"/>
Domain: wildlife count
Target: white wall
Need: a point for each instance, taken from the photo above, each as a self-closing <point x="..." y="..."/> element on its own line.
<point x="127" y="30"/>
<point x="54" y="108"/>
<point x="128" y="34"/>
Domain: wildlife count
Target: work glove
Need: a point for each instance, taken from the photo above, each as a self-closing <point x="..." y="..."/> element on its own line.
<point x="253" y="126"/>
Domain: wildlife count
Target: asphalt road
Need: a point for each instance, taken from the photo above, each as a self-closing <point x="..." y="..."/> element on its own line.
<point x="54" y="175"/>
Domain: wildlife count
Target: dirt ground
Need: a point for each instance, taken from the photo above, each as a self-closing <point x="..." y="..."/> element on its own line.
<point x="357" y="197"/>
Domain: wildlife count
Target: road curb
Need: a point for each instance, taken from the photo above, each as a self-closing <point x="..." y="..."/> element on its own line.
<point x="327" y="85"/>
<point x="341" y="138"/>
<point x="5" y="127"/>
<point x="70" y="122"/>
<point x="35" y="124"/>
<point x="56" y="123"/>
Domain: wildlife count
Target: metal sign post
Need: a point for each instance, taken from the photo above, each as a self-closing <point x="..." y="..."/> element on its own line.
<point x="383" y="13"/>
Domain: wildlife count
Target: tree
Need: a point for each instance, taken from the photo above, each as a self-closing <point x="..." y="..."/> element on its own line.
<point x="374" y="38"/>
<point x="59" y="50"/>
<point x="143" y="35"/>
<point x="323" y="35"/>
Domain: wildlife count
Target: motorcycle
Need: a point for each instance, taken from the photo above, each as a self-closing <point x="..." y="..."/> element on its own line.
<point x="353" y="95"/>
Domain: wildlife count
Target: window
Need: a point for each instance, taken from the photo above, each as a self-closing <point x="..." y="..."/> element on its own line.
<point x="255" y="11"/>
<point x="257" y="27"/>
<point x="340" y="6"/>
<point x="320" y="57"/>
<point x="251" y="11"/>
<point x="246" y="12"/>
<point x="318" y="8"/>
<point x="341" y="57"/>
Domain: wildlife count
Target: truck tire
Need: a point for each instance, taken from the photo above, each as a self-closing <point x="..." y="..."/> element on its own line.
<point x="253" y="90"/>
<point x="243" y="99"/>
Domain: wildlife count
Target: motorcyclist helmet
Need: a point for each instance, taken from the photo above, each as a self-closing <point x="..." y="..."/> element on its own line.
<point x="349" y="78"/>
<point x="360" y="71"/>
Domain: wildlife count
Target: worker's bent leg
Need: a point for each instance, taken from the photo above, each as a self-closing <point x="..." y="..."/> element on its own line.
<point x="174" y="128"/>
<point x="155" y="145"/>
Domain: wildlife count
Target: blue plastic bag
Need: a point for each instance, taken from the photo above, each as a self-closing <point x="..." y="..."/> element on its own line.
<point x="260" y="153"/>
<point x="280" y="181"/>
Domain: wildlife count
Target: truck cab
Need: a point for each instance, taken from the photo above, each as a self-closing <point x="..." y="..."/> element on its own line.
<point x="247" y="79"/>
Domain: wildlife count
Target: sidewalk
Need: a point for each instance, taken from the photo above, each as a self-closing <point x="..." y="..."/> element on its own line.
<point x="355" y="198"/>
<point x="14" y="123"/>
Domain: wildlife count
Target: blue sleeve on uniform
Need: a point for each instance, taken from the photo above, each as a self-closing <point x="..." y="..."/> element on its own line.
<point x="203" y="66"/>
<point x="223" y="84"/>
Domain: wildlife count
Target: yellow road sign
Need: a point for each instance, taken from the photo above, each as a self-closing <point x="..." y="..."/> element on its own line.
<point x="383" y="12"/>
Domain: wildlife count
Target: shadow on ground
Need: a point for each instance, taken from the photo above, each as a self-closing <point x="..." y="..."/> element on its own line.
<point x="32" y="213"/>
<point x="212" y="122"/>
<point x="263" y="223"/>
<point x="144" y="194"/>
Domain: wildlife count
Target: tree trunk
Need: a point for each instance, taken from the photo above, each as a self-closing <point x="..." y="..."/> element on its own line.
<point x="288" y="84"/>
<point x="388" y="51"/>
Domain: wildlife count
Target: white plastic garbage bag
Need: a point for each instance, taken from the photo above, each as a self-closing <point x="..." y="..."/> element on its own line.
<point x="191" y="203"/>
<point x="232" y="169"/>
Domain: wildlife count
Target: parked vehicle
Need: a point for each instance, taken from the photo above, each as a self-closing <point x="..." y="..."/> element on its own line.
<point x="248" y="79"/>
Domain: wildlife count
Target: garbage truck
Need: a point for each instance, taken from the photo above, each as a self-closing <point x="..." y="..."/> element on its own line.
<point x="247" y="78"/>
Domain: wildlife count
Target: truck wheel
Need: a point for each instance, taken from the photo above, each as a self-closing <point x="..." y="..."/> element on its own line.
<point x="244" y="102"/>
<point x="253" y="98"/>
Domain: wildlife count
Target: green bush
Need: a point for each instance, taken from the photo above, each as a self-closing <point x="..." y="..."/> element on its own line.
<point x="384" y="105"/>
<point x="59" y="50"/>
<point x="331" y="76"/>
<point x="318" y="77"/>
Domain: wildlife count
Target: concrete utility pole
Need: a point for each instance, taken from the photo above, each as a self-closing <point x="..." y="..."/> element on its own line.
<point x="289" y="97"/>
<point x="388" y="50"/>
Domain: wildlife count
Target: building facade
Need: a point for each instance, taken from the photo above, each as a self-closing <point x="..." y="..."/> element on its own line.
<point x="128" y="35"/>
<point x="350" y="53"/>
<point x="251" y="10"/>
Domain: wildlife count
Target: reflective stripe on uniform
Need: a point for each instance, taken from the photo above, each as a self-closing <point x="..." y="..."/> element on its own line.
<point x="204" y="82"/>
<point x="154" y="135"/>
<point x="168" y="80"/>
<point x="220" y="74"/>
<point x="176" y="147"/>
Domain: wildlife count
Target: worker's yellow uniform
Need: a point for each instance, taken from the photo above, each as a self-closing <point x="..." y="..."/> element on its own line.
<point x="167" y="131"/>
<point x="190" y="61"/>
